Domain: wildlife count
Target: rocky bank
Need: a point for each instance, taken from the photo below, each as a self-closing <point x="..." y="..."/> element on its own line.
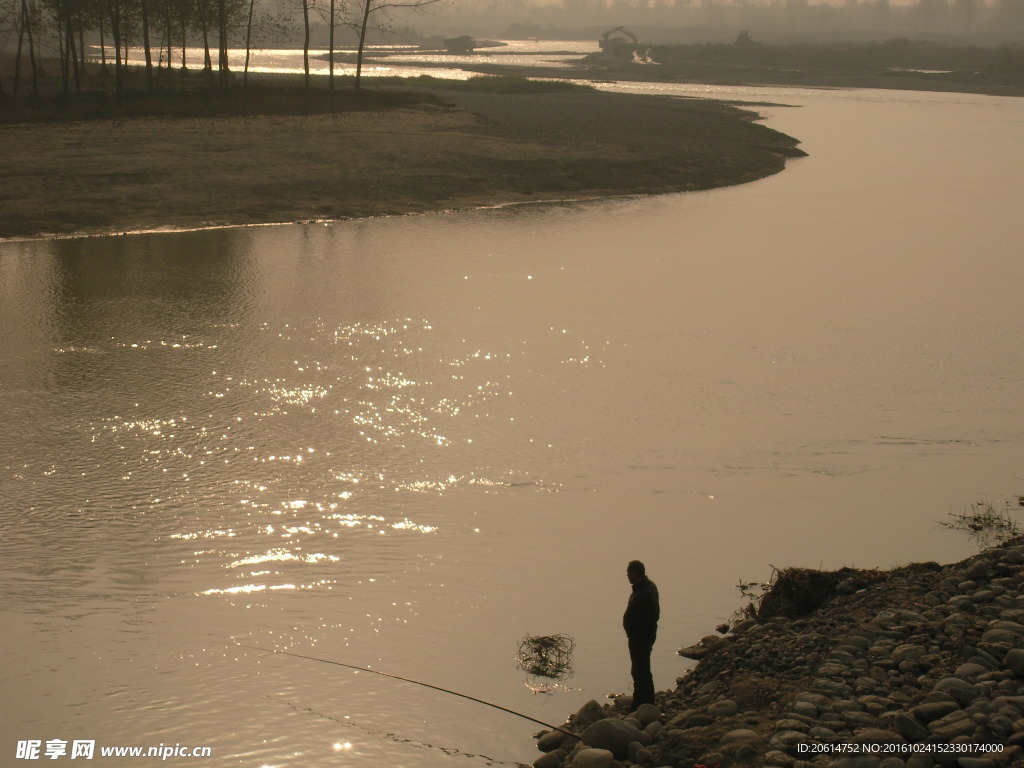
<point x="918" y="667"/>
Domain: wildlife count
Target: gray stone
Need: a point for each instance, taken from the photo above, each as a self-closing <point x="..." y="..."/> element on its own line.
<point x="744" y="625"/>
<point x="746" y="751"/>
<point x="999" y="637"/>
<point x="845" y="705"/>
<point x="978" y="570"/>
<point x="909" y="728"/>
<point x="1014" y="557"/>
<point x="939" y="696"/>
<point x="975" y="762"/>
<point x="832" y="669"/>
<point x="1000" y="725"/>
<point x="911" y="617"/>
<point x="1009" y="626"/>
<point x="712" y="758"/>
<point x="821" y="702"/>
<point x="702" y="648"/>
<point x="589" y="713"/>
<point x="948" y="728"/>
<point x="969" y="669"/>
<point x="823" y="734"/>
<point x="638" y="753"/>
<point x="594" y="758"/>
<point x="611" y="734"/>
<point x="790" y="724"/>
<point x="697" y="720"/>
<point x="983" y="659"/>
<point x="551" y="759"/>
<point x="1015" y="661"/>
<point x="647" y="713"/>
<point x="858" y="719"/>
<point x="786" y="739"/>
<point x="680" y="720"/>
<point x="857" y="641"/>
<point x="779" y="759"/>
<point x="739" y="734"/>
<point x="623" y="703"/>
<point x="805" y="708"/>
<point x="907" y="652"/>
<point x="723" y="708"/>
<point x="552" y="740"/>
<point x="959" y="689"/>
<point x="934" y="710"/>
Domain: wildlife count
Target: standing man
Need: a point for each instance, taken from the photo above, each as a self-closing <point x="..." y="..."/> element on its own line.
<point x="641" y="624"/>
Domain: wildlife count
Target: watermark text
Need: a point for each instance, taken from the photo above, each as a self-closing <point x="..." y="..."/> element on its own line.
<point x="87" y="749"/>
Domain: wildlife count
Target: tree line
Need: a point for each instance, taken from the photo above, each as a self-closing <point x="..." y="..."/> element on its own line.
<point x="65" y="31"/>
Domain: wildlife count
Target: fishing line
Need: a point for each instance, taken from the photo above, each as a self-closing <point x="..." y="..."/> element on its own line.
<point x="414" y="682"/>
<point x="403" y="740"/>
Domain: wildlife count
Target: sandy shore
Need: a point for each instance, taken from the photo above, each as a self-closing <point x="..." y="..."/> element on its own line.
<point x="151" y="173"/>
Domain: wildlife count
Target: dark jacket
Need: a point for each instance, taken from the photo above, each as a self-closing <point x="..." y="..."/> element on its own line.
<point x="642" y="612"/>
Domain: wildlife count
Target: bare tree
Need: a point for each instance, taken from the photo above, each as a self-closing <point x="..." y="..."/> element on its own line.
<point x="368" y="10"/>
<point x="146" y="45"/>
<point x="330" y="16"/>
<point x="26" y="21"/>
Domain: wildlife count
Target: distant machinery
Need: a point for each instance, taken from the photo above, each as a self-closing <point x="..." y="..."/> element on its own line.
<point x="624" y="45"/>
<point x="460" y="45"/>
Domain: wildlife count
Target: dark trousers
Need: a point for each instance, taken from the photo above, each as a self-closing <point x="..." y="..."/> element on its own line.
<point x="640" y="669"/>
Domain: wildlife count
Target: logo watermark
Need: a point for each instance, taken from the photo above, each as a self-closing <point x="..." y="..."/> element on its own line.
<point x="86" y="749"/>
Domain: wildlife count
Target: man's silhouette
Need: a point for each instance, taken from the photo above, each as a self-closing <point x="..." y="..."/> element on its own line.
<point x="641" y="624"/>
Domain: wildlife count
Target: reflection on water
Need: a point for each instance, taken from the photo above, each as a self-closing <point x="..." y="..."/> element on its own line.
<point x="407" y="443"/>
<point x="389" y="62"/>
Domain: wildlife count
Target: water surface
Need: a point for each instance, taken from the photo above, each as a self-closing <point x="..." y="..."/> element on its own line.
<point x="406" y="443"/>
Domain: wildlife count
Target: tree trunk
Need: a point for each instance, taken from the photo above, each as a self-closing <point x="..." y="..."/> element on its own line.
<point x="115" y="32"/>
<point x="207" y="62"/>
<point x="81" y="41"/>
<point x="222" y="41"/>
<point x="62" y="49"/>
<point x="169" y="23"/>
<point x="72" y="53"/>
<point x="32" y="57"/>
<point x="362" y="42"/>
<point x="248" y="48"/>
<point x="103" y="45"/>
<point x="17" y="57"/>
<point x="330" y="54"/>
<point x="305" y="43"/>
<point x="146" y="46"/>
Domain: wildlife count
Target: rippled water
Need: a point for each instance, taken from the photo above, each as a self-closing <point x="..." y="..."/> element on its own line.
<point x="388" y="61"/>
<point x="407" y="443"/>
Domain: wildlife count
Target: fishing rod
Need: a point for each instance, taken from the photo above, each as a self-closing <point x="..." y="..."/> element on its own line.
<point x="414" y="682"/>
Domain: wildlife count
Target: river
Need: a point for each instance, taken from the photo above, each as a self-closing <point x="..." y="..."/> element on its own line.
<point x="407" y="443"/>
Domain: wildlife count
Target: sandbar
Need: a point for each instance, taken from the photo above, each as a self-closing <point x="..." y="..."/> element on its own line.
<point x="113" y="176"/>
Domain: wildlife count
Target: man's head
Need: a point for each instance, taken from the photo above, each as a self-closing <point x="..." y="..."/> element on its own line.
<point x="635" y="571"/>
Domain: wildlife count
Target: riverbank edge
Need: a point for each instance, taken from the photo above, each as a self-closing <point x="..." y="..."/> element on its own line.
<point x="481" y="150"/>
<point x="598" y="70"/>
<point x="915" y="667"/>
